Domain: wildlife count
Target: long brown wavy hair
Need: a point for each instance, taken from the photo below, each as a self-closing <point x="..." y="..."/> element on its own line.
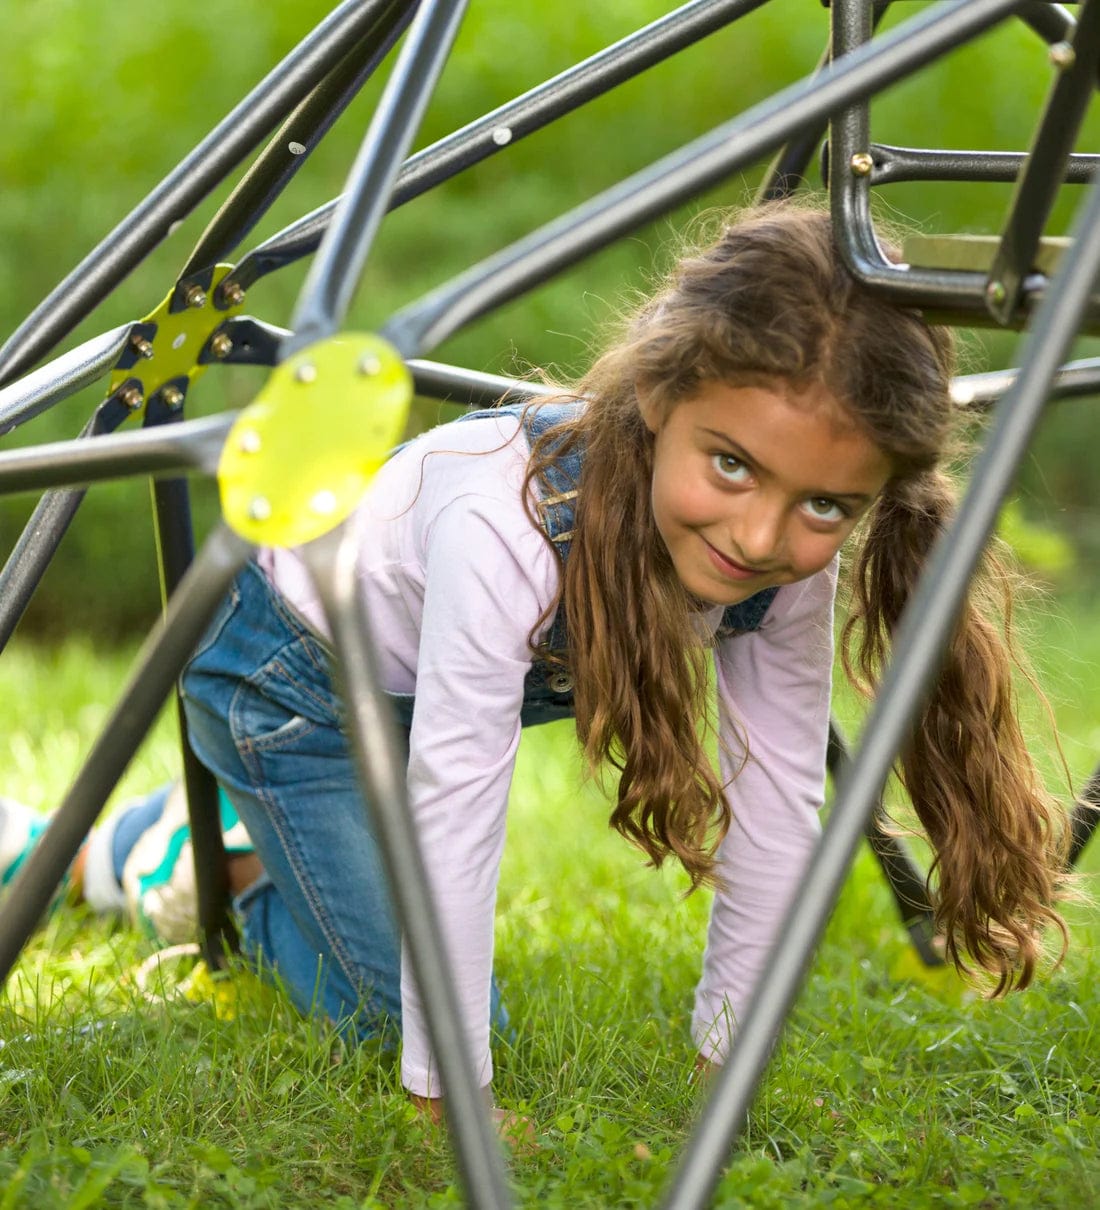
<point x="770" y="300"/>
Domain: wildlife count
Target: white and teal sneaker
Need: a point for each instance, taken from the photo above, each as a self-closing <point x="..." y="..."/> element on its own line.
<point x="158" y="877"/>
<point x="20" y="828"/>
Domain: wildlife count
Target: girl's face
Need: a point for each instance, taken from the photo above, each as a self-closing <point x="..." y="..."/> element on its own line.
<point x="755" y="486"/>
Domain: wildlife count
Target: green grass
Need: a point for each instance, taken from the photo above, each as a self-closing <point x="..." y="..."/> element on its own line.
<point x="890" y="1086"/>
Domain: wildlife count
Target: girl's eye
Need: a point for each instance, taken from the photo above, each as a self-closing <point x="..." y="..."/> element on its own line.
<point x="730" y="467"/>
<point x="821" y="508"/>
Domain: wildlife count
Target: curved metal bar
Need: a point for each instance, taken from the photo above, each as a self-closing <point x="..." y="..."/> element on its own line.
<point x="191" y="445"/>
<point x="1076" y="379"/>
<point x="292" y="143"/>
<point x="444" y="382"/>
<point x="335" y="271"/>
<point x="1052" y="22"/>
<point x="333" y="564"/>
<point x="198" y="173"/>
<point x="504" y="126"/>
<point x="925" y="628"/>
<point x="676" y="177"/>
<point x="62" y="377"/>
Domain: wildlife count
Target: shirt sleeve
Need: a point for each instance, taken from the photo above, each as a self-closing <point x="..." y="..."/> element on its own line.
<point x="773" y="708"/>
<point x="487" y="581"/>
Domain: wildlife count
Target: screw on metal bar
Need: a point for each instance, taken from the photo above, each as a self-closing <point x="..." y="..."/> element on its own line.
<point x="260" y="508"/>
<point x="141" y="346"/>
<point x="195" y="296"/>
<point x="861" y="163"/>
<point x="131" y="398"/>
<point x="502" y="136"/>
<point x="369" y="366"/>
<point x="306" y="372"/>
<point x="173" y="397"/>
<point x="996" y="293"/>
<point x="249" y="442"/>
<point x="232" y="293"/>
<point x="1063" y="56"/>
<point x="221" y="345"/>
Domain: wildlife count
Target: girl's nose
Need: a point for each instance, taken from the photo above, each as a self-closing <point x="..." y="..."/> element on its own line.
<point x="758" y="532"/>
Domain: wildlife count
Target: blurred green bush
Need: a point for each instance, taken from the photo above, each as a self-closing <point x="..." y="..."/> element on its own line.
<point x="102" y="101"/>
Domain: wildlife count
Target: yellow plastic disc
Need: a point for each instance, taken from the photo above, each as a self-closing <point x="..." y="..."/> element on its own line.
<point x="300" y="456"/>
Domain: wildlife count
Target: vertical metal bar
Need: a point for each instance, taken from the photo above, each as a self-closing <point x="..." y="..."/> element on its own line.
<point x="38" y="543"/>
<point x="335" y="271"/>
<point x="1045" y="167"/>
<point x="175" y="552"/>
<point x="97" y="275"/>
<point x="159" y="662"/>
<point x="332" y="562"/>
<point x="418" y="327"/>
<point x="292" y="143"/>
<point x="1084" y="817"/>
<point x="925" y="629"/>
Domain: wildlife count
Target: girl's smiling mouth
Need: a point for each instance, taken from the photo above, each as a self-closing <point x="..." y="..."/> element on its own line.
<point x="728" y="567"/>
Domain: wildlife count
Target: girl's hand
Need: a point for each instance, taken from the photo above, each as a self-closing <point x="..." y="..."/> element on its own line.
<point x="515" y="1130"/>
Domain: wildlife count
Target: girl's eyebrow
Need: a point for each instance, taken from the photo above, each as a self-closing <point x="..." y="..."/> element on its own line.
<point x="854" y="498"/>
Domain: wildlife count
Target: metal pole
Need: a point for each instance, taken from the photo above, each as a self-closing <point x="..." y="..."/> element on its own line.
<point x="332" y="562"/>
<point x="192" y="445"/>
<point x="292" y="143"/>
<point x="37" y="544"/>
<point x="335" y="271"/>
<point x="421" y="326"/>
<point x="509" y="123"/>
<point x="159" y="662"/>
<point x="925" y="629"/>
<point x="97" y="275"/>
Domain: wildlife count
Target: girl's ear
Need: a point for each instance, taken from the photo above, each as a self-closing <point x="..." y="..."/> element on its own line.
<point x="649" y="406"/>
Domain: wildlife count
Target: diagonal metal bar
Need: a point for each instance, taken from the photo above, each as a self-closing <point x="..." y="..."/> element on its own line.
<point x="292" y="143"/>
<point x="64" y="376"/>
<point x="37" y="544"/>
<point x="924" y="631"/>
<point x="1045" y="169"/>
<point x="214" y="157"/>
<point x="333" y="564"/>
<point x="335" y="271"/>
<point x="679" y="176"/>
<point x="192" y="445"/>
<point x="1052" y="22"/>
<point x="158" y="664"/>
<point x="509" y="123"/>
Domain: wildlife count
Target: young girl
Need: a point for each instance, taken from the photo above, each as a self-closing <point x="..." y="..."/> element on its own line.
<point x="588" y="557"/>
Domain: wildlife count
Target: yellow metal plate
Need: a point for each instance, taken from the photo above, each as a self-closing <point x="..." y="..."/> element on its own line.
<point x="299" y="458"/>
<point x="178" y="341"/>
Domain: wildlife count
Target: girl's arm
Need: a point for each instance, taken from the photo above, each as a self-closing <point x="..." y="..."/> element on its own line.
<point x="488" y="575"/>
<point x="773" y="703"/>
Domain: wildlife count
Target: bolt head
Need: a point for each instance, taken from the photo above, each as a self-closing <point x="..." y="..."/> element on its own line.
<point x="1063" y="56"/>
<point x="233" y="293"/>
<point x="996" y="293"/>
<point x="221" y="345"/>
<point x="369" y="366"/>
<point x="862" y="163"/>
<point x="195" y="297"/>
<point x="172" y="396"/>
<point x="250" y="442"/>
<point x="306" y="372"/>
<point x="141" y="346"/>
<point x="324" y="503"/>
<point x="131" y="398"/>
<point x="260" y="508"/>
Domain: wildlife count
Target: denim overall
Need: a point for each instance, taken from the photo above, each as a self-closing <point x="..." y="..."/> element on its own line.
<point x="264" y="717"/>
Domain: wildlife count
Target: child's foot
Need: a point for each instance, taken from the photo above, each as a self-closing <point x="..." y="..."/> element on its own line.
<point x="20" y="828"/>
<point x="158" y="876"/>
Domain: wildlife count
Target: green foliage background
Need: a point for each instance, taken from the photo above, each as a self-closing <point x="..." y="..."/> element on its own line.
<point x="103" y="101"/>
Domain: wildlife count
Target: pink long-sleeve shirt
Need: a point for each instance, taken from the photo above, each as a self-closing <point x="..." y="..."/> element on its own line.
<point x="455" y="576"/>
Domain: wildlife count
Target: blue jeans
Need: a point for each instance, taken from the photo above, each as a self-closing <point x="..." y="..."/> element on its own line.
<point x="264" y="718"/>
